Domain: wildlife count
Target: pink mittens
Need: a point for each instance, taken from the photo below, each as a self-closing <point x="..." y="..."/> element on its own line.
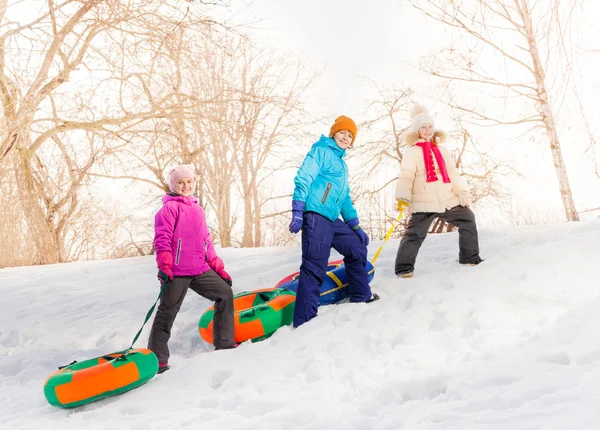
<point x="219" y="267"/>
<point x="164" y="260"/>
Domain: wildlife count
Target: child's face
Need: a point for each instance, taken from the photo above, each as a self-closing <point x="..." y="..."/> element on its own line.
<point x="343" y="138"/>
<point x="185" y="187"/>
<point x="426" y="131"/>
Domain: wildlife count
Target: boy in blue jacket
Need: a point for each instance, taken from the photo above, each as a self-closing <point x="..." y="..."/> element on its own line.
<point x="321" y="194"/>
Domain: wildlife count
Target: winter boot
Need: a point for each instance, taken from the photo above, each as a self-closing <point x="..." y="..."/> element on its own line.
<point x="163" y="367"/>
<point x="373" y="298"/>
<point x="405" y="274"/>
<point x="233" y="346"/>
<point x="475" y="262"/>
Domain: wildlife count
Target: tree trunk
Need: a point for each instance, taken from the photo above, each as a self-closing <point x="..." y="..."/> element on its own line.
<point x="44" y="237"/>
<point x="224" y="204"/>
<point x="257" y="217"/>
<point x="548" y="116"/>
<point x="247" y="239"/>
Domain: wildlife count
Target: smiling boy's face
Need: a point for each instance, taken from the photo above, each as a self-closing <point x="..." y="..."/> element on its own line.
<point x="185" y="187"/>
<point x="343" y="138"/>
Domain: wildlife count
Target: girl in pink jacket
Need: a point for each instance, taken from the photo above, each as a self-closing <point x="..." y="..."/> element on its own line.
<point x="186" y="258"/>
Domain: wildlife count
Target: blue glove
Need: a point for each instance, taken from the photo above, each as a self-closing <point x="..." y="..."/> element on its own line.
<point x="353" y="224"/>
<point x="297" y="216"/>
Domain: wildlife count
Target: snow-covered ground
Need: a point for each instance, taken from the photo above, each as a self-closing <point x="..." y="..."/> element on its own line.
<point x="511" y="344"/>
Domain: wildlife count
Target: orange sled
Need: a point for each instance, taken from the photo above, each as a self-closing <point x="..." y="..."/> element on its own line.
<point x="257" y="314"/>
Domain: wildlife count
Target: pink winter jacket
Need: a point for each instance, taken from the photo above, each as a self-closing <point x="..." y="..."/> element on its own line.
<point x="181" y="237"/>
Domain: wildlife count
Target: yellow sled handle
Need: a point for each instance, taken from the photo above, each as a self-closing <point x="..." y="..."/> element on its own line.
<point x="387" y="236"/>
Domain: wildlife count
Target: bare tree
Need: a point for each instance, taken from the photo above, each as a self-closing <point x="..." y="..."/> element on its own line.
<point x="383" y="150"/>
<point x="245" y="108"/>
<point x="216" y="77"/>
<point x="380" y="154"/>
<point x="518" y="36"/>
<point x="16" y="241"/>
<point x="247" y="133"/>
<point x="275" y="118"/>
<point x="48" y="115"/>
<point x="123" y="90"/>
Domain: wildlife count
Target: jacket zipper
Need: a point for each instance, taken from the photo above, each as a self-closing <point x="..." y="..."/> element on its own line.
<point x="178" y="250"/>
<point x="326" y="193"/>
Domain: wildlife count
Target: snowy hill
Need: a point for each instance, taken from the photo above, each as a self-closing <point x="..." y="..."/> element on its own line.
<point x="511" y="344"/>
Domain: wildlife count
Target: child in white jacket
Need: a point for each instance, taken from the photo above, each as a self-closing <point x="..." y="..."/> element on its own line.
<point x="431" y="185"/>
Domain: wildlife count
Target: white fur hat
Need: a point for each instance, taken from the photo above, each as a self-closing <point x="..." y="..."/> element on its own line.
<point x="419" y="117"/>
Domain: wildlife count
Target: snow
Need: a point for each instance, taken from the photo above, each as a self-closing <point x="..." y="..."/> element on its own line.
<point x="510" y="344"/>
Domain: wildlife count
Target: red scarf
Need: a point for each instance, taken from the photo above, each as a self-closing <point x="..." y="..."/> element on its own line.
<point x="428" y="148"/>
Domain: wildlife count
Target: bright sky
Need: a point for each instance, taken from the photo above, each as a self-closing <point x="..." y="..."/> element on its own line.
<point x="348" y="41"/>
<point x="384" y="41"/>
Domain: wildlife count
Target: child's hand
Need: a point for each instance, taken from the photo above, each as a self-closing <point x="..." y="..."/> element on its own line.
<point x="364" y="238"/>
<point x="464" y="199"/>
<point x="297" y="216"/>
<point x="402" y="205"/>
<point x="295" y="224"/>
<point x="353" y="224"/>
<point x="225" y="276"/>
<point x="219" y="267"/>
<point x="165" y="262"/>
<point x="217" y="264"/>
<point x="165" y="276"/>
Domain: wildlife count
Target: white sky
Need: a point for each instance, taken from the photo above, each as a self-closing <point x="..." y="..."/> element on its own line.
<point x="348" y="40"/>
<point x="383" y="41"/>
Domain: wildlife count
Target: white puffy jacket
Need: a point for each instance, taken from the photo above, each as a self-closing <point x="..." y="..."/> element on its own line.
<point x="412" y="185"/>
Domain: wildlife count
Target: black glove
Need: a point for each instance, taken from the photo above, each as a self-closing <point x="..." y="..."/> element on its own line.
<point x="228" y="281"/>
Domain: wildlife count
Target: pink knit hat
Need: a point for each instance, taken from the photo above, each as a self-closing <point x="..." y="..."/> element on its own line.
<point x="181" y="171"/>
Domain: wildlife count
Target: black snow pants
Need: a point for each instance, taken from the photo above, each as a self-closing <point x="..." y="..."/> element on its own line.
<point x="460" y="216"/>
<point x="208" y="285"/>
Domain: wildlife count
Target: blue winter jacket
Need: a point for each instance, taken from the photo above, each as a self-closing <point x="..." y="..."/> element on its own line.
<point x="322" y="181"/>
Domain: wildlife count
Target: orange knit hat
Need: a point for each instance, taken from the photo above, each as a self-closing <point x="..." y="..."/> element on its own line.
<point x="343" y="123"/>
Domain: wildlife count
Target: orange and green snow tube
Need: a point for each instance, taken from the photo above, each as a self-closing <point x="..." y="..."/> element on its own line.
<point x="85" y="382"/>
<point x="257" y="314"/>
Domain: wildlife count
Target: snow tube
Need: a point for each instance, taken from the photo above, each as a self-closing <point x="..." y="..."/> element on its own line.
<point x="257" y="314"/>
<point x="85" y="382"/>
<point x="334" y="285"/>
<point x="330" y="266"/>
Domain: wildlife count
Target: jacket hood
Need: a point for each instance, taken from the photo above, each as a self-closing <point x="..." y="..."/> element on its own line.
<point x="170" y="197"/>
<point x="411" y="138"/>
<point x="328" y="142"/>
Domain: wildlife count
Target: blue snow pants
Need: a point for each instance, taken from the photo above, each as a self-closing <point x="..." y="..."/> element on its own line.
<point x="319" y="235"/>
